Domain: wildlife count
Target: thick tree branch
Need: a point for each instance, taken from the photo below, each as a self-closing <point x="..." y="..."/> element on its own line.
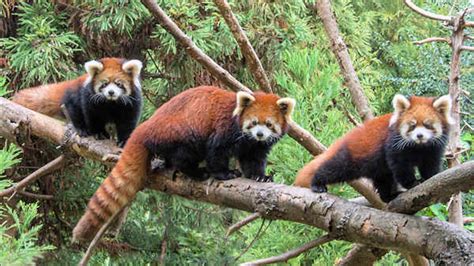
<point x="339" y="48"/>
<point x="249" y="53"/>
<point x="435" y="189"/>
<point x="292" y="253"/>
<point x="342" y="219"/>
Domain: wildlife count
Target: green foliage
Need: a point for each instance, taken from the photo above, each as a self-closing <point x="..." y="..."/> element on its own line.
<point x="44" y="48"/>
<point x="23" y="249"/>
<point x="3" y="86"/>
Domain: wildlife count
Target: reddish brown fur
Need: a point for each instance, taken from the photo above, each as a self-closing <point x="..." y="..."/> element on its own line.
<point x="365" y="140"/>
<point x="46" y="99"/>
<point x="206" y="108"/>
<point x="264" y="106"/>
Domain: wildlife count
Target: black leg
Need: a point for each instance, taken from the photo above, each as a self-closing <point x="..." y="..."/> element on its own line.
<point x="185" y="162"/>
<point x="386" y="187"/>
<point x="217" y="162"/>
<point x="429" y="167"/>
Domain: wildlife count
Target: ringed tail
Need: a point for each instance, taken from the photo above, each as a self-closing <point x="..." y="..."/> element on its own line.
<point x="117" y="190"/>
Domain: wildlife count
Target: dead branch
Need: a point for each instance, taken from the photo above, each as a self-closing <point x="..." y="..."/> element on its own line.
<point x="36" y="196"/>
<point x="433" y="39"/>
<point x="468" y="220"/>
<point x="346" y="220"/>
<point x="425" y="13"/>
<point x="436" y="189"/>
<point x="191" y="49"/>
<point x="292" y="253"/>
<point x="249" y="53"/>
<point x="242" y="223"/>
<point x="95" y="241"/>
<point x="467" y="48"/>
<point x="339" y="48"/>
<point x="44" y="170"/>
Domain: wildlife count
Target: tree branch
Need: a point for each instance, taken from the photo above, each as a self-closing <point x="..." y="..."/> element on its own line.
<point x="342" y="219"/>
<point x="339" y="48"/>
<point x="467" y="48"/>
<point x="242" y="223"/>
<point x="435" y="189"/>
<point x="249" y="53"/>
<point x="44" y="170"/>
<point x="191" y="49"/>
<point x="425" y="13"/>
<point x="432" y="39"/>
<point x="292" y="253"/>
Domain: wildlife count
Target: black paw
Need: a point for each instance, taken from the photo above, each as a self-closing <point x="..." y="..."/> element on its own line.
<point x="224" y="175"/>
<point x="319" y="189"/>
<point x="82" y="133"/>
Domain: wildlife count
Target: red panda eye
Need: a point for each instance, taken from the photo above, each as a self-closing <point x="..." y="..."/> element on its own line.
<point x="428" y="125"/>
<point x="269" y="125"/>
<point x="254" y="122"/>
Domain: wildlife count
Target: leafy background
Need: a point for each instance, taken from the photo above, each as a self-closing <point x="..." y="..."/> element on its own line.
<point x="48" y="41"/>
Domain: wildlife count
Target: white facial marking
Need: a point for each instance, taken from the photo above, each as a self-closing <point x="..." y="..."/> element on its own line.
<point x="438" y="129"/>
<point x="420" y="135"/>
<point x="260" y="133"/>
<point x="112" y="92"/>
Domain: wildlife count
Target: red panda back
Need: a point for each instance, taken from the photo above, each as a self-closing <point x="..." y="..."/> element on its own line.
<point x="360" y="141"/>
<point x="46" y="99"/>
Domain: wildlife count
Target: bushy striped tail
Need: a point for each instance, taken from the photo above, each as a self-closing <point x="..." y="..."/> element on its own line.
<point x="117" y="190"/>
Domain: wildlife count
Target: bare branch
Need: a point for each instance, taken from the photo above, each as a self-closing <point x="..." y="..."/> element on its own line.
<point x="435" y="189"/>
<point x="433" y="39"/>
<point x="44" y="170"/>
<point x="306" y="139"/>
<point x="36" y="196"/>
<point x="467" y="48"/>
<point x="242" y="223"/>
<point x="425" y="13"/>
<point x="292" y="253"/>
<point x="339" y="49"/>
<point x="249" y="53"/>
<point x="468" y="220"/>
<point x="93" y="244"/>
<point x="195" y="52"/>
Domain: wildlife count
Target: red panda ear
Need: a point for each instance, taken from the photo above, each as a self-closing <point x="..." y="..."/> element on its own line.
<point x="287" y="105"/>
<point x="400" y="105"/>
<point x="93" y="67"/>
<point x="133" y="67"/>
<point x="443" y="106"/>
<point x="244" y="99"/>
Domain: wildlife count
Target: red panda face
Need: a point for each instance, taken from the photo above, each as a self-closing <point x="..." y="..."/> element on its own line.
<point x="113" y="79"/>
<point x="263" y="117"/>
<point x="421" y="120"/>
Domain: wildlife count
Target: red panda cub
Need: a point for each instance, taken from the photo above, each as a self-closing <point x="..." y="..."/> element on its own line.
<point x="200" y="124"/>
<point x="109" y="93"/>
<point x="386" y="149"/>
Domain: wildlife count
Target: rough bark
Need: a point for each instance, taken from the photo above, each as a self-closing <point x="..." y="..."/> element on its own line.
<point x="249" y="53"/>
<point x="345" y="220"/>
<point x="339" y="48"/>
<point x="436" y="189"/>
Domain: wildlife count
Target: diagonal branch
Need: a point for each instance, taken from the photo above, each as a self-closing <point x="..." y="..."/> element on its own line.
<point x="292" y="253"/>
<point x="433" y="39"/>
<point x="44" y="170"/>
<point x="195" y="52"/>
<point x="435" y="189"/>
<point x="339" y="48"/>
<point x="249" y="53"/>
<point x="425" y="13"/>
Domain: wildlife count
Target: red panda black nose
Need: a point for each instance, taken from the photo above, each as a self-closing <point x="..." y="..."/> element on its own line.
<point x="111" y="93"/>
<point x="260" y="134"/>
<point x="420" y="136"/>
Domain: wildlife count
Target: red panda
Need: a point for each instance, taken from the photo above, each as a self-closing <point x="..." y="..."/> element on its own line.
<point x="109" y="93"/>
<point x="386" y="149"/>
<point x="200" y="124"/>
